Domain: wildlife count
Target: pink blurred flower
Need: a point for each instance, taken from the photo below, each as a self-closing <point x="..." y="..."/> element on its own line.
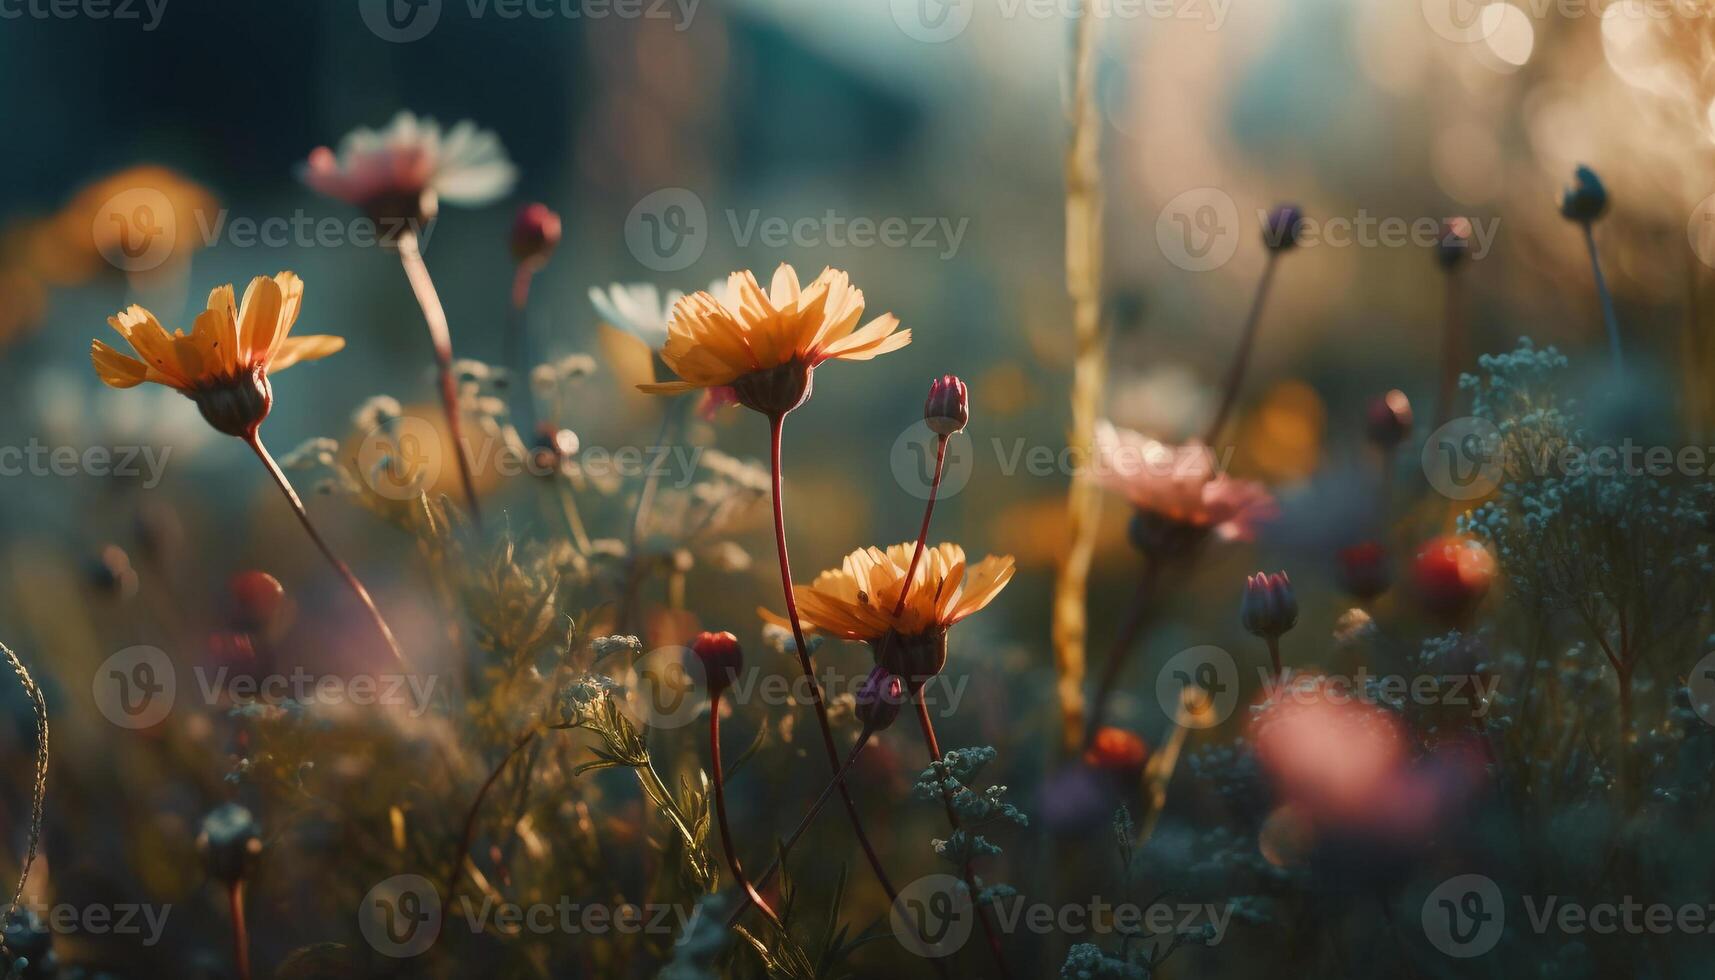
<point x="412" y="160"/>
<point x="1180" y="483"/>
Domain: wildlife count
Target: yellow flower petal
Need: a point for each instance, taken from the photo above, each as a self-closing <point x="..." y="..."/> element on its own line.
<point x="115" y="369"/>
<point x="259" y="319"/>
<point x="310" y="347"/>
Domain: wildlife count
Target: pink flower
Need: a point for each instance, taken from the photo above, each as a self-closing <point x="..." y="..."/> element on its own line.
<point x="1182" y="484"/>
<point x="412" y="160"/>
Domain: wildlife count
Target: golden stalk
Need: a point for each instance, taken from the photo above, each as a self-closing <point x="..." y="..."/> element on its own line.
<point x="1084" y="287"/>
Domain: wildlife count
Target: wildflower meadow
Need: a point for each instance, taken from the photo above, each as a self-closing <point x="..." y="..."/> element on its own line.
<point x="810" y="489"/>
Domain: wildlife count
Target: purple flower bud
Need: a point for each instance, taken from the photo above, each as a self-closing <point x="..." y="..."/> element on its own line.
<point x="1454" y="244"/>
<point x="879" y="698"/>
<point x="1389" y="419"/>
<point x="1269" y="607"/>
<point x="948" y="408"/>
<point x="1285" y="224"/>
<point x="1586" y="199"/>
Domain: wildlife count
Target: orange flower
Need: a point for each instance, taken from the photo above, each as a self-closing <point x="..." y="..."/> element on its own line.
<point x="224" y="363"/>
<point x="856" y="602"/>
<point x="765" y="344"/>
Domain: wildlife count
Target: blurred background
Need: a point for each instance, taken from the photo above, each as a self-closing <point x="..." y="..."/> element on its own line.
<point x="949" y="120"/>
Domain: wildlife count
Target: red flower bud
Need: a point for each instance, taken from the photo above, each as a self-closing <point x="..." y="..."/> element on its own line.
<point x="721" y="657"/>
<point x="1269" y="608"/>
<point x="1454" y="245"/>
<point x="1117" y="750"/>
<point x="948" y="408"/>
<point x="1452" y="574"/>
<point x="535" y="233"/>
<point x="257" y="599"/>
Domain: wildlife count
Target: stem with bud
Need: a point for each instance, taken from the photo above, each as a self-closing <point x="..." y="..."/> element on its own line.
<point x="435" y="316"/>
<point x="776" y="422"/>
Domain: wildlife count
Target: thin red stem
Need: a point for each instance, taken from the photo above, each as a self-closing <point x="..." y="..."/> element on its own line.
<point x="468" y="834"/>
<point x="744" y="884"/>
<point x="923" y="706"/>
<point x="1135" y="618"/>
<point x="240" y="933"/>
<point x="776" y="423"/>
<point x="345" y="572"/>
<point x="1242" y="356"/>
<point x="440" y="336"/>
<point x="804" y="824"/>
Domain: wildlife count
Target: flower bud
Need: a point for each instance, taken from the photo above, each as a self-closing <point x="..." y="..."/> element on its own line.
<point x="1118" y="751"/>
<point x="1364" y="570"/>
<point x="111" y="572"/>
<point x="1285" y="224"/>
<point x="535" y="233"/>
<point x="1452" y="574"/>
<point x="721" y="657"/>
<point x="1389" y="420"/>
<point x="257" y="599"/>
<point x="1453" y="245"/>
<point x="948" y="407"/>
<point x="879" y="699"/>
<point x="1269" y="607"/>
<point x="229" y="843"/>
<point x="1586" y="199"/>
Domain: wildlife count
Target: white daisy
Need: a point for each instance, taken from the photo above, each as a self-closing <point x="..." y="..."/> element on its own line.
<point x="640" y="309"/>
<point x="409" y="158"/>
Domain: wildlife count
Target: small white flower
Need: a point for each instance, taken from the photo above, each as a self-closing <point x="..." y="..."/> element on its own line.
<point x="640" y="309"/>
<point x="465" y="165"/>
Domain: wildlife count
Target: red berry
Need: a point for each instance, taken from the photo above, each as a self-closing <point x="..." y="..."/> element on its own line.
<point x="1117" y="750"/>
<point x="257" y="599"/>
<point x="1452" y="575"/>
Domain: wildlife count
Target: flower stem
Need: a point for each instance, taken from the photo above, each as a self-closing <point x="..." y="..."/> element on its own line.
<point x="345" y="572"/>
<point x="934" y="745"/>
<point x="1136" y="616"/>
<point x="749" y="890"/>
<point x="776" y="423"/>
<point x="1242" y="356"/>
<point x="411" y="257"/>
<point x="240" y="934"/>
<point x="1609" y="320"/>
<point x="804" y="824"/>
<point x="468" y="834"/>
<point x="1274" y="655"/>
<point x="886" y="644"/>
